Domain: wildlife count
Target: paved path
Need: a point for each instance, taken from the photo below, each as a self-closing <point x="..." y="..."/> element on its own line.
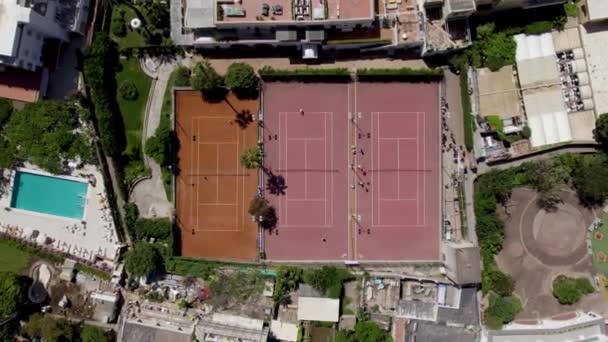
<point x="149" y="194"/>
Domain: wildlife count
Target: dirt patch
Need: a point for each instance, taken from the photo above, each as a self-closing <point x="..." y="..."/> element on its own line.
<point x="539" y="245"/>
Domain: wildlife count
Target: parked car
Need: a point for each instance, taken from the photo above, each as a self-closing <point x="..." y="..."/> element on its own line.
<point x="265" y="9"/>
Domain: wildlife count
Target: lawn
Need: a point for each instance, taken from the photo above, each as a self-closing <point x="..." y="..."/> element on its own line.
<point x="600" y="246"/>
<point x="13" y="259"/>
<point x="133" y="111"/>
<point x="133" y="38"/>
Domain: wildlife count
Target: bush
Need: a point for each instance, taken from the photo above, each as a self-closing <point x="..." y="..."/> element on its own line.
<point x="496" y="281"/>
<point x="327" y="279"/>
<point x="208" y="81"/>
<point x="241" y="79"/>
<point x="119" y="27"/>
<point x="589" y="179"/>
<point x="570" y="290"/>
<point x="526" y="132"/>
<point x="135" y="169"/>
<point x="131" y="216"/>
<point x="252" y="158"/>
<point x="539" y="27"/>
<point x="496" y="122"/>
<point x="287" y="280"/>
<point x="199" y="269"/>
<point x="305" y="75"/>
<point x="400" y="74"/>
<point x="600" y="133"/>
<point x="157" y="228"/>
<point x="128" y="91"/>
<point x="6" y="109"/>
<point x="158" y="146"/>
<point x="182" y="76"/>
<point x="142" y="260"/>
<point x="501" y="310"/>
<point x="571" y="10"/>
<point x="493" y="49"/>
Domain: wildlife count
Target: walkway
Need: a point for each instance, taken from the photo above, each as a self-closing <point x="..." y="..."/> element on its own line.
<point x="149" y="194"/>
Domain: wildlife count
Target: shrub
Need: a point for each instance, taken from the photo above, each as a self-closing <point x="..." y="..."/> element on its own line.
<point x="241" y="79"/>
<point x="327" y="279"/>
<point x="128" y="90"/>
<point x="526" y="132"/>
<point x="496" y="122"/>
<point x="208" y="81"/>
<point x="589" y="179"/>
<point x="156" y="228"/>
<point x="400" y="74"/>
<point x="496" y="281"/>
<point x="305" y="75"/>
<point x="501" y="310"/>
<point x="142" y="260"/>
<point x="252" y="158"/>
<point x="539" y="27"/>
<point x="131" y="216"/>
<point x="571" y="10"/>
<point x="287" y="280"/>
<point x="158" y="146"/>
<point x="570" y="290"/>
<point x="182" y="76"/>
<point x="6" y="109"/>
<point x="135" y="169"/>
<point x="465" y="98"/>
<point x="493" y="49"/>
<point x="119" y="27"/>
<point x="600" y="133"/>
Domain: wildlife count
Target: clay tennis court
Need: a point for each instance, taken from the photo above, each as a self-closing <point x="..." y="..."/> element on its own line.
<point x="213" y="190"/>
<point x="361" y="165"/>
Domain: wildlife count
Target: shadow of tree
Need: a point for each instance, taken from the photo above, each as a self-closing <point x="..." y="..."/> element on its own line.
<point x="243" y="118"/>
<point x="276" y="184"/>
<point x="270" y="219"/>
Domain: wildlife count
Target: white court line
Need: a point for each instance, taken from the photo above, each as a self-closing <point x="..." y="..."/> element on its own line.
<point x="198" y="172"/>
<point x="215" y="143"/>
<point x="396" y="199"/>
<point x="305" y="172"/>
<point x="398" y="139"/>
<point x="305" y="139"/>
<point x="424" y="166"/>
<point x="398" y="170"/>
<point x="325" y="167"/>
<point x="219" y="204"/>
<point x="307" y="199"/>
<point x="417" y="165"/>
<point x="190" y="187"/>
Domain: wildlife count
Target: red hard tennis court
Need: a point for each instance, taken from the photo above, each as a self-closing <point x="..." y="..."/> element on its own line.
<point x="309" y="149"/>
<point x="398" y="205"/>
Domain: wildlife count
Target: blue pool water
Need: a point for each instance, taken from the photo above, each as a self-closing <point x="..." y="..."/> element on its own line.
<point x="49" y="195"/>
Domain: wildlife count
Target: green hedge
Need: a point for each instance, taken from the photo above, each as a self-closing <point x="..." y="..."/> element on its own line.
<point x="570" y="290"/>
<point x="400" y="74"/>
<point x="32" y="250"/>
<point x="268" y="73"/>
<point x="93" y="271"/>
<point x="200" y="268"/>
<point x="359" y="41"/>
<point x="539" y="27"/>
<point x="465" y="98"/>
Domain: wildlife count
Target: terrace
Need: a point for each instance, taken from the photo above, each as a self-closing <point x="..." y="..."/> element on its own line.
<point x="271" y="11"/>
<point x="402" y="18"/>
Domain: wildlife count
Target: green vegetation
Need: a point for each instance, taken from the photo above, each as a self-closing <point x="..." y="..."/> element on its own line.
<point x="501" y="310"/>
<point x="379" y="41"/>
<point x="208" y="81"/>
<point x="119" y="25"/>
<point x="590" y="179"/>
<point x="327" y="279"/>
<point x="496" y="122"/>
<point x="93" y="271"/>
<point x="45" y="133"/>
<point x="400" y="74"/>
<point x="305" y="75"/>
<point x="94" y="334"/>
<point x="131" y="216"/>
<point x="599" y="244"/>
<point x="128" y="90"/>
<point x="142" y="260"/>
<point x="600" y="133"/>
<point x="242" y="80"/>
<point x="100" y="61"/>
<point x="122" y="15"/>
<point x="252" y="158"/>
<point x="287" y="280"/>
<point x="12" y="247"/>
<point x="539" y="27"/>
<point x="158" y="146"/>
<point x="13" y="292"/>
<point x="132" y="110"/>
<point x="493" y="49"/>
<point x="155" y="24"/>
<point x="13" y="259"/>
<point x="6" y="110"/>
<point x="49" y="329"/>
<point x="526" y="132"/>
<point x="366" y="330"/>
<point x="571" y="10"/>
<point x="157" y="228"/>
<point x="570" y="290"/>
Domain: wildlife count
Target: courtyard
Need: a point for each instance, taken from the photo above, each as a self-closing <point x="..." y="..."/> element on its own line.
<point x="541" y="244"/>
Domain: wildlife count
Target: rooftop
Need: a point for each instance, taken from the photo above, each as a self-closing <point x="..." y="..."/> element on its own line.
<point x="21" y="85"/>
<point x="318" y="309"/>
<point x="11" y="13"/>
<point x="137" y="331"/>
<point x="498" y="93"/>
<point x="228" y="327"/>
<point x="464" y="263"/>
<point x="597" y="9"/>
<point x="273" y="11"/>
<point x="198" y="14"/>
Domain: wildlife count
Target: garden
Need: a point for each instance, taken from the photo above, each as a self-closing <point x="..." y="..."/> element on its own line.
<point x="599" y="245"/>
<point x="154" y="26"/>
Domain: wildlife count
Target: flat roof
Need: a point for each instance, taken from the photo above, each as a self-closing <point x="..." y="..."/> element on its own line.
<point x="597" y="9"/>
<point x="20" y="85"/>
<point x="298" y="11"/>
<point x="199" y="14"/>
<point x="533" y="46"/>
<point x="596" y="54"/>
<point x="318" y="309"/>
<point x="539" y="71"/>
<point x="498" y="93"/>
<point x="10" y="16"/>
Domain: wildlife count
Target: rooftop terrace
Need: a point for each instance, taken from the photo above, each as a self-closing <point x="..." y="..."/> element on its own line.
<point x="259" y="11"/>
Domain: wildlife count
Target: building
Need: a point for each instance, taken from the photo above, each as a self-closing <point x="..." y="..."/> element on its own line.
<point x="573" y="326"/>
<point x="26" y="25"/>
<point x="595" y="10"/>
<point x="224" y="327"/>
<point x="154" y="331"/>
<point x="106" y="306"/>
<point x="318" y="309"/>
<point x="462" y="262"/>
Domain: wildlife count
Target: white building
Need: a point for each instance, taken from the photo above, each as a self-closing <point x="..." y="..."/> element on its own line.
<point x="25" y="24"/>
<point x="568" y="327"/>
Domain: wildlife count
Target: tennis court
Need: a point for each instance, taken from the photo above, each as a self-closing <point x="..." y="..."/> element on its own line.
<point x="361" y="165"/>
<point x="213" y="190"/>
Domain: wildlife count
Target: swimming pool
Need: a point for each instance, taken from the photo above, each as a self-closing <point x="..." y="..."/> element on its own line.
<point x="49" y="195"/>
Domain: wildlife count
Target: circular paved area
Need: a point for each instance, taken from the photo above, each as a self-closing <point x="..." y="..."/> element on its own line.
<point x="556" y="237"/>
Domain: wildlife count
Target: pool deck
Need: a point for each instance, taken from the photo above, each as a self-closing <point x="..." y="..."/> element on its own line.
<point x="94" y="240"/>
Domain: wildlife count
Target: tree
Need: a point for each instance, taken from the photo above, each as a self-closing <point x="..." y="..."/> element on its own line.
<point x="6" y="110"/>
<point x="182" y="76"/>
<point x="258" y="206"/>
<point x="589" y="179"/>
<point x="49" y="329"/>
<point x="570" y="290"/>
<point x="600" y="133"/>
<point x="94" y="334"/>
<point x="131" y="216"/>
<point x="288" y="278"/>
<point x="327" y="279"/>
<point x="365" y="330"/>
<point x="498" y="184"/>
<point x="142" y="260"/>
<point x="45" y="133"/>
<point x="158" y="146"/>
<point x="493" y="49"/>
<point x="208" y="81"/>
<point x="157" y="15"/>
<point x="12" y="292"/>
<point x="526" y="132"/>
<point x="252" y="158"/>
<point x="242" y="80"/>
<point x="128" y="90"/>
<point x="156" y="228"/>
<point x="544" y="177"/>
<point x="501" y="310"/>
